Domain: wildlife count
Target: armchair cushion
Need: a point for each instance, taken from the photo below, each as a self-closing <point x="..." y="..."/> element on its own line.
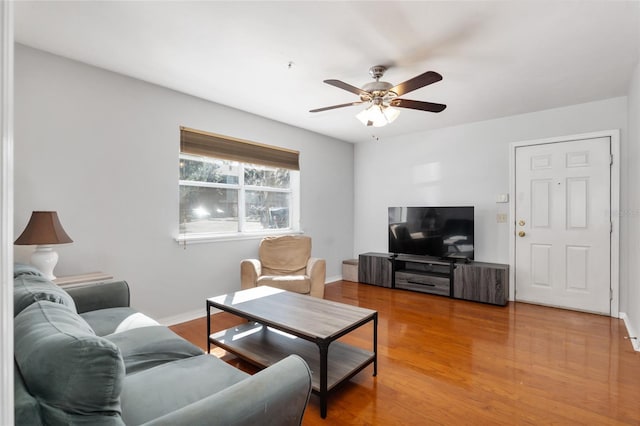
<point x="297" y="283"/>
<point x="284" y="255"/>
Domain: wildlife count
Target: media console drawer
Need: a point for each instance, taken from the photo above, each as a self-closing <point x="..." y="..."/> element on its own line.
<point x="423" y="283"/>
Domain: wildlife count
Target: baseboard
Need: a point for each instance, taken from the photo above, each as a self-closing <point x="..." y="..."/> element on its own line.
<point x="633" y="337"/>
<point x="184" y="317"/>
<point x="199" y="313"/>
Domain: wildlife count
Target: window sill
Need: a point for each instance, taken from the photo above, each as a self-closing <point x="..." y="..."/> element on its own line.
<point x="214" y="238"/>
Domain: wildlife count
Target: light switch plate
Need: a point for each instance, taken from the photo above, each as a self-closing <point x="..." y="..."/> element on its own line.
<point x="502" y="198"/>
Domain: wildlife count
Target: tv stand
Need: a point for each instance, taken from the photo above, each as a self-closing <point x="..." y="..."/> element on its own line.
<point x="457" y="278"/>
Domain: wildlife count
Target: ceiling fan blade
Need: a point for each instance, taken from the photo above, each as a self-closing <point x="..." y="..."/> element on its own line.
<point x="423" y="106"/>
<point x="335" y="106"/>
<point x="345" y="86"/>
<point x="417" y="82"/>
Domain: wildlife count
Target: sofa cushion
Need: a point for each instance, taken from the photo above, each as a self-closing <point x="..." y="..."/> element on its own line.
<point x="115" y="320"/>
<point x="22" y="269"/>
<point x="296" y="283"/>
<point x="29" y="288"/>
<point x="75" y="375"/>
<point x="26" y="408"/>
<point x="147" y="347"/>
<point x="174" y="385"/>
<point x="101" y="295"/>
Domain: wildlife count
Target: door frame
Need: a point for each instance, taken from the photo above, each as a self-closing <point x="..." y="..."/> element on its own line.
<point x="614" y="136"/>
<point x="6" y="212"/>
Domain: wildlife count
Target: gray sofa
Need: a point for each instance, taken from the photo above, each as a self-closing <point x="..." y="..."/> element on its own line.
<point x="85" y="357"/>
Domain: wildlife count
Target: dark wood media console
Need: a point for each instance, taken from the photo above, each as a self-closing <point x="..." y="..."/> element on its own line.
<point x="476" y="281"/>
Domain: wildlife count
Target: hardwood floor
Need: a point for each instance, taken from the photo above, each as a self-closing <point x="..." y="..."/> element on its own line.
<point x="444" y="361"/>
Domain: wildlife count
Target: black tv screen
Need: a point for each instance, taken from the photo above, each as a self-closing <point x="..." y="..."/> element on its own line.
<point x="444" y="232"/>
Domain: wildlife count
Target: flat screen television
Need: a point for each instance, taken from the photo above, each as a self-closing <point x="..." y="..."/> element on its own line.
<point x="443" y="232"/>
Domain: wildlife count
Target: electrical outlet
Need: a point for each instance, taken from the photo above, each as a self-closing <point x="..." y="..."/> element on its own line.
<point x="501" y="218"/>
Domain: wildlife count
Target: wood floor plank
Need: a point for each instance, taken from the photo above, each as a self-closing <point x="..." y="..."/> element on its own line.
<point x="444" y="361"/>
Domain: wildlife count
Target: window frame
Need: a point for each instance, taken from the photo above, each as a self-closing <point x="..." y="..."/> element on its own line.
<point x="242" y="233"/>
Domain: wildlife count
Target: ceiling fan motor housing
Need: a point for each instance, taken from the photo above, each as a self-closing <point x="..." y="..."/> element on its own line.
<point x="377" y="89"/>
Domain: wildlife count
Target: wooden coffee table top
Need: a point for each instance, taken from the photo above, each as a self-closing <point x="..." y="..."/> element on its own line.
<point x="296" y="313"/>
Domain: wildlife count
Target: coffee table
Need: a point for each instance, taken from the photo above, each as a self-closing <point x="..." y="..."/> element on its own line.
<point x="282" y="323"/>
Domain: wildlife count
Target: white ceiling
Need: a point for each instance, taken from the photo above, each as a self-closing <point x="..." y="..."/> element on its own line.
<point x="497" y="58"/>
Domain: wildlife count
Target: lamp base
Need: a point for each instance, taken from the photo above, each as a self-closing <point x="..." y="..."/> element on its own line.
<point x="45" y="259"/>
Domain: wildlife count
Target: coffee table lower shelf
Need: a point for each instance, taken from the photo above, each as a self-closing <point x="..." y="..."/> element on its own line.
<point x="264" y="346"/>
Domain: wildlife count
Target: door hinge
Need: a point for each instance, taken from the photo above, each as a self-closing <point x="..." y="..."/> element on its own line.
<point x="610" y="227"/>
<point x="610" y="294"/>
<point x="610" y="159"/>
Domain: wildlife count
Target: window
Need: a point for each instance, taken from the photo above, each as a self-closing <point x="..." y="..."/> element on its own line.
<point x="221" y="195"/>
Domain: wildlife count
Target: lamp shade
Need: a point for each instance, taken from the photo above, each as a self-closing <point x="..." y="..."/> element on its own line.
<point x="43" y="228"/>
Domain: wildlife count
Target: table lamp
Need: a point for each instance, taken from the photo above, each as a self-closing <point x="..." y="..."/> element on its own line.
<point x="44" y="229"/>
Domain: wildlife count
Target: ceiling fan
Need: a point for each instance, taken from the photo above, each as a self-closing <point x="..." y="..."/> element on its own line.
<point x="382" y="97"/>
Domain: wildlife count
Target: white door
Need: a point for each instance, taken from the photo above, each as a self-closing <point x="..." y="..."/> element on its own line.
<point x="563" y="224"/>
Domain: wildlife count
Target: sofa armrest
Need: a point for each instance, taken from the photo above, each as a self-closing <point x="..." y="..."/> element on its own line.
<point x="250" y="270"/>
<point x="317" y="271"/>
<point x="277" y="395"/>
<point x="94" y="296"/>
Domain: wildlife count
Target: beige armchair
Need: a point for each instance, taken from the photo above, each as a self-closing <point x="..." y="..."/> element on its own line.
<point x="285" y="262"/>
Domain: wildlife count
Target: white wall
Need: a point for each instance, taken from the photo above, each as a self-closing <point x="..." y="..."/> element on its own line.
<point x="102" y="150"/>
<point x="632" y="213"/>
<point x="464" y="165"/>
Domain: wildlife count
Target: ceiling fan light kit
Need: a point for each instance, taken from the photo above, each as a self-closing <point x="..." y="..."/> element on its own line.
<point x="383" y="98"/>
<point x="378" y="115"/>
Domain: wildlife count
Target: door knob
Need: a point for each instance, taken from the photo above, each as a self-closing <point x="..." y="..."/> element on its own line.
<point x="521" y="234"/>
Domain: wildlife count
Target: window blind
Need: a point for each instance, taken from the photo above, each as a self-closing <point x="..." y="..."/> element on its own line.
<point x="197" y="142"/>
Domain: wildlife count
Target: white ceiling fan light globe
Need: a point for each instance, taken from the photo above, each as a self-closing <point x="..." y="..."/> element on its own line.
<point x="391" y="114"/>
<point x="377" y="115"/>
<point x="363" y="116"/>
